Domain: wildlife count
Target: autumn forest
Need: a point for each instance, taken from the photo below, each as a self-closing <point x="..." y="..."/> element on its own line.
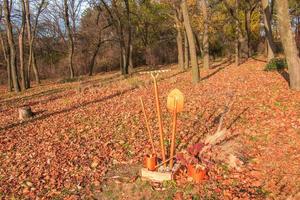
<point x="149" y="99"/>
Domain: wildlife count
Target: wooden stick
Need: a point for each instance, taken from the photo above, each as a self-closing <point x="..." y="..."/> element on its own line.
<point x="161" y="132"/>
<point x="147" y="125"/>
<point x="173" y="133"/>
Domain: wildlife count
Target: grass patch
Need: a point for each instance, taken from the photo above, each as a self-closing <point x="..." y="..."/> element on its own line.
<point x="276" y="64"/>
<point x="135" y="82"/>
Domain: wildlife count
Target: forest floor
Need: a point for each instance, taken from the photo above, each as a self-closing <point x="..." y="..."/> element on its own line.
<point x="87" y="139"/>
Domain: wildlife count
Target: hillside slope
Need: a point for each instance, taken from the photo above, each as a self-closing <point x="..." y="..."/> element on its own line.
<point x="83" y="128"/>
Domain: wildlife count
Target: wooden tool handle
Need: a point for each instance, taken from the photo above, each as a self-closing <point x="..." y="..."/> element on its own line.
<point x="173" y="133"/>
<point x="161" y="132"/>
<point x="147" y="125"/>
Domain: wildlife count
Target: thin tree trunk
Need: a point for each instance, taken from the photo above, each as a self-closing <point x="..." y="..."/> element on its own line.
<point x="191" y="40"/>
<point x="21" y="48"/>
<point x="130" y="67"/>
<point x="268" y="29"/>
<point x="31" y="37"/>
<point x="186" y="52"/>
<point x="248" y="34"/>
<point x="129" y="42"/>
<point x="289" y="43"/>
<point x="179" y="39"/>
<point x="21" y="56"/>
<point x="34" y="66"/>
<point x="123" y="55"/>
<point x="7" y="60"/>
<point x="92" y="62"/>
<point x="10" y="38"/>
<point x="205" y="35"/>
<point x="9" y="79"/>
<point x="237" y="35"/>
<point x="70" y="38"/>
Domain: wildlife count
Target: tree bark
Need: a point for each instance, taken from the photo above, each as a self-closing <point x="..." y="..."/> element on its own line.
<point x="6" y="54"/>
<point x="248" y="34"/>
<point x="237" y="35"/>
<point x="11" y="43"/>
<point x="205" y="35"/>
<point x="288" y="43"/>
<point x="130" y="67"/>
<point x="70" y="38"/>
<point x="179" y="39"/>
<point x="268" y="29"/>
<point x="186" y="52"/>
<point x="129" y="64"/>
<point x="21" y="57"/>
<point x="191" y="40"/>
<point x="21" y="49"/>
<point x="92" y="62"/>
<point x="123" y="63"/>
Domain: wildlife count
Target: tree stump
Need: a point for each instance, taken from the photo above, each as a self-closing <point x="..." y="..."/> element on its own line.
<point x="25" y="113"/>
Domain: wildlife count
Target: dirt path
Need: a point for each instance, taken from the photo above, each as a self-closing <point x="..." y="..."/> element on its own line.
<point x="77" y="137"/>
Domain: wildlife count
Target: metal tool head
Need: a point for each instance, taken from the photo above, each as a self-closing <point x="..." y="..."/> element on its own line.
<point x="155" y="73"/>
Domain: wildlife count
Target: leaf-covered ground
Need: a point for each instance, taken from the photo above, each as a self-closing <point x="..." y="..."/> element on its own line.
<point x="83" y="130"/>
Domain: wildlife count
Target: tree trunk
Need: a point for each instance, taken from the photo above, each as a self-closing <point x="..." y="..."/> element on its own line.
<point x="21" y="57"/>
<point x="21" y="49"/>
<point x="191" y="40"/>
<point x="268" y="29"/>
<point x="31" y="36"/>
<point x="92" y="62"/>
<point x="248" y="34"/>
<point x="25" y="113"/>
<point x="123" y="56"/>
<point x="205" y="35"/>
<point x="186" y="52"/>
<point x="6" y="54"/>
<point x="179" y="39"/>
<point x="34" y="66"/>
<point x="130" y="67"/>
<point x="288" y="43"/>
<point x="237" y="35"/>
<point x="70" y="38"/>
<point x="11" y="43"/>
<point x="129" y="41"/>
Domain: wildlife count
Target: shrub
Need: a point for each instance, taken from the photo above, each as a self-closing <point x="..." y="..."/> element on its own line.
<point x="276" y="64"/>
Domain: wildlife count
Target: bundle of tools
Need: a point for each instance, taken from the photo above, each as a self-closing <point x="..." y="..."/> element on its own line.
<point x="175" y="105"/>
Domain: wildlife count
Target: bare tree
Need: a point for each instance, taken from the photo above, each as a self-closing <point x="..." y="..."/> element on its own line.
<point x="11" y="43"/>
<point x="70" y="38"/>
<point x="191" y="41"/>
<point x="288" y="42"/>
<point x="96" y="28"/>
<point x="31" y="34"/>
<point x="116" y="19"/>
